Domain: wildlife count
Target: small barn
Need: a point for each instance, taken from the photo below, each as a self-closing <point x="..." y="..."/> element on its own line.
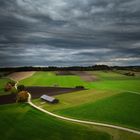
<point x="49" y="99"/>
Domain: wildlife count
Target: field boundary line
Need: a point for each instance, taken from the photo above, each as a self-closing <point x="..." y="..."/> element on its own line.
<point x="80" y="121"/>
<point x="138" y="93"/>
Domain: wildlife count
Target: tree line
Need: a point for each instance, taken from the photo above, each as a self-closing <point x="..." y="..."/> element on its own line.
<point x="72" y="68"/>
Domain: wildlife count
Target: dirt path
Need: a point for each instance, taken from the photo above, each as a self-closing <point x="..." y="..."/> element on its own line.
<point x="132" y="92"/>
<point x="17" y="76"/>
<point x="86" y="76"/>
<point x="81" y="121"/>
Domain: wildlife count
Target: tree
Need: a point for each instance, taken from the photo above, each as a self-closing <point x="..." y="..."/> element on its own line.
<point x="9" y="86"/>
<point x="79" y="87"/>
<point x="21" y="88"/>
<point x="22" y="96"/>
<point x="12" y="83"/>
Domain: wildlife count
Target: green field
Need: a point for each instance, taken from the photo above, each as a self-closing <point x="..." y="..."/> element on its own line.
<point x="109" y="92"/>
<point x="115" y="81"/>
<point x="114" y="75"/>
<point x="128" y="85"/>
<point x="121" y="109"/>
<point x="20" y="122"/>
<point x="76" y="99"/>
<point x="102" y="106"/>
<point x="106" y="80"/>
<point x="50" y="79"/>
<point x="106" y="100"/>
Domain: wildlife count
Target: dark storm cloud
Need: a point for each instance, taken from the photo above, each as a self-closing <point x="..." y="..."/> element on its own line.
<point x="64" y="32"/>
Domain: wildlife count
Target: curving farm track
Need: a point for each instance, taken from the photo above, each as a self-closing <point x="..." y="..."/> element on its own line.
<point x="81" y="121"/>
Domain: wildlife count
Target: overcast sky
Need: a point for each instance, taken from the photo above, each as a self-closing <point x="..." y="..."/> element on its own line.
<point x="69" y="32"/>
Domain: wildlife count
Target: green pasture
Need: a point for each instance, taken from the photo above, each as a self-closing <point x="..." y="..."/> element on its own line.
<point x="105" y="92"/>
<point x="50" y="79"/>
<point x="75" y="99"/>
<point x="115" y="81"/>
<point x="109" y="75"/>
<point x="105" y="80"/>
<point x="20" y="122"/>
<point x="128" y="85"/>
<point x="105" y="100"/>
<point x="137" y="74"/>
<point x="114" y="75"/>
<point x="120" y="109"/>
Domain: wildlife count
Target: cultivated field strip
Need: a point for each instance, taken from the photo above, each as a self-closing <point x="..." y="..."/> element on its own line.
<point x="18" y="76"/>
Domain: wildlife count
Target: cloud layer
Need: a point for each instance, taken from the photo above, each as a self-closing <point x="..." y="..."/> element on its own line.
<point x="69" y="32"/>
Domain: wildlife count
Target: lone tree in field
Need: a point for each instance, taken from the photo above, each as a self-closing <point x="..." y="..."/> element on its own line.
<point x="22" y="96"/>
<point x="9" y="86"/>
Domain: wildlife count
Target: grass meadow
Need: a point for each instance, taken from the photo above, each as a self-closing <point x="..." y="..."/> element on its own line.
<point x="105" y="100"/>
<point x="121" y="109"/>
<point x="20" y="122"/>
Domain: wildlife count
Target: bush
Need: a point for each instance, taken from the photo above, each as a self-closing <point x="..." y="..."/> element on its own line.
<point x="79" y="87"/>
<point x="22" y="96"/>
<point x="129" y="74"/>
<point x="9" y="86"/>
<point x="55" y="101"/>
<point x="12" y="83"/>
<point x="21" y="88"/>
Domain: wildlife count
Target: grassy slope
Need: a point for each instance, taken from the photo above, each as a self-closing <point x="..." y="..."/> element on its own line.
<point x="107" y="80"/>
<point x="122" y="109"/>
<point x="115" y="81"/>
<point x="132" y="85"/>
<point x="75" y="98"/>
<point x="20" y="122"/>
<point x="50" y="79"/>
<point x="111" y="75"/>
<point x="3" y="81"/>
<point x="110" y="82"/>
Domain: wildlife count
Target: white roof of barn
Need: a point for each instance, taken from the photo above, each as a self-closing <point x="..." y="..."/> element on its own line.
<point x="47" y="98"/>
